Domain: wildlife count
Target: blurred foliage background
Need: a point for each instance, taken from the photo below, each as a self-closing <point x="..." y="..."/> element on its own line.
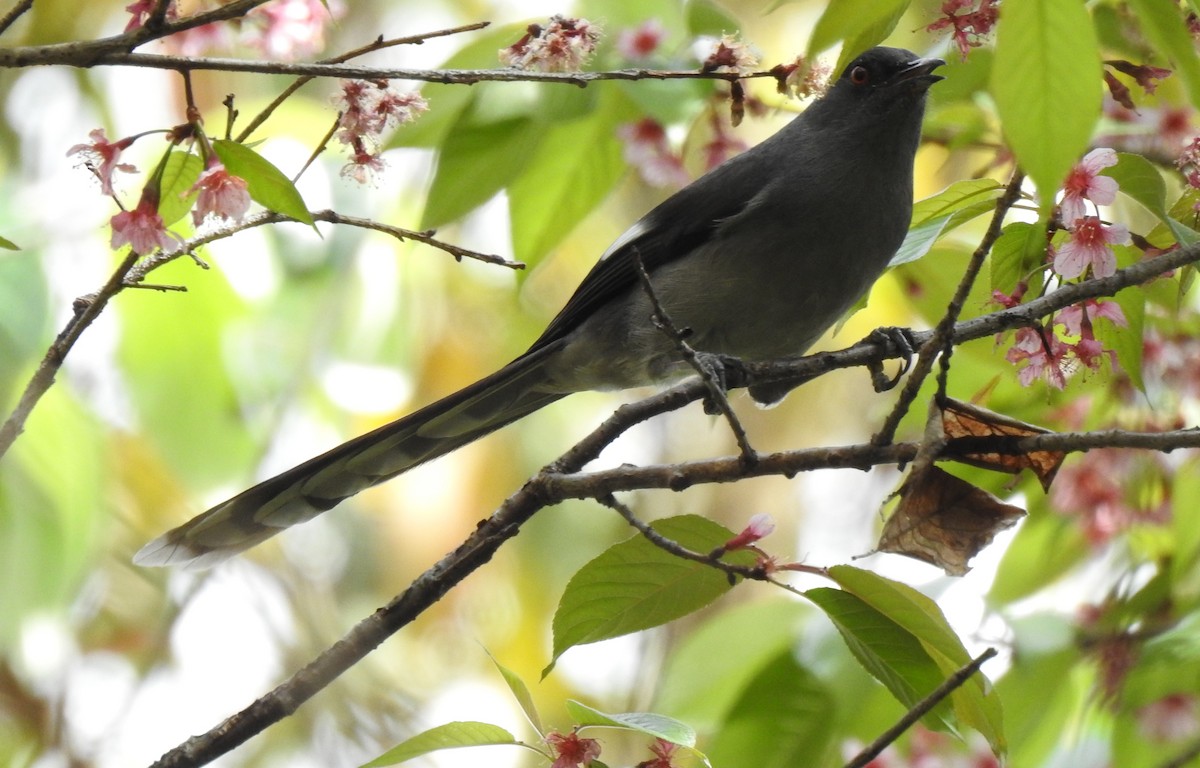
<point x="287" y="342"/>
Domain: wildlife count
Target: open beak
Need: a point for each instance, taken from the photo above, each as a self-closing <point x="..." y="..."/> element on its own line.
<point x="920" y="70"/>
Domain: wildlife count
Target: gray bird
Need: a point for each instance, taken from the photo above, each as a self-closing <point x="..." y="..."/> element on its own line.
<point x="756" y="259"/>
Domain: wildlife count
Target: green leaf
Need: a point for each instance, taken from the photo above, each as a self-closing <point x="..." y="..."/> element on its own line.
<point x="1045" y="547"/>
<point x="922" y="618"/>
<point x="175" y="195"/>
<point x="850" y="19"/>
<point x="938" y="214"/>
<point x="1047" y="86"/>
<point x="559" y="185"/>
<point x="890" y="653"/>
<point x="1140" y="180"/>
<point x="1128" y="341"/>
<point x="520" y="692"/>
<point x="709" y="666"/>
<point x="635" y="585"/>
<point x="649" y="723"/>
<point x="9" y="245"/>
<point x="267" y="185"/>
<point x="1163" y="24"/>
<point x="784" y="718"/>
<point x="448" y="736"/>
<point x="477" y="160"/>
<point x="1020" y="248"/>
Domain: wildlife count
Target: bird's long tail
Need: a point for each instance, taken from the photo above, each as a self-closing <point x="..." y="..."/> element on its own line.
<point x="307" y="490"/>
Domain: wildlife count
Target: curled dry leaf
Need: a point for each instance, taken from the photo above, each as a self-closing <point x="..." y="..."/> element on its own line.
<point x="944" y="520"/>
<point x="961" y="419"/>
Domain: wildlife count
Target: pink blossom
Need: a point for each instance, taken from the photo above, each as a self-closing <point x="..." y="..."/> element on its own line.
<point x="664" y="752"/>
<point x="760" y="526"/>
<point x="223" y="195"/>
<point x="142" y="229"/>
<point x="140" y="10"/>
<point x="803" y="77"/>
<point x="364" y="166"/>
<point x="368" y="109"/>
<point x="1172" y="718"/>
<point x="731" y="55"/>
<point x="646" y="149"/>
<point x="101" y="157"/>
<point x="641" y="42"/>
<point x="289" y="29"/>
<point x="1094" y="491"/>
<point x="1084" y="182"/>
<point x="969" y="28"/>
<point x="563" y="45"/>
<point x="1075" y="317"/>
<point x="1089" y="245"/>
<point x="571" y="751"/>
<point x="1044" y="355"/>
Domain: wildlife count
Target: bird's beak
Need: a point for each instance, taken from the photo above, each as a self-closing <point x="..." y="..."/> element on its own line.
<point x="920" y="70"/>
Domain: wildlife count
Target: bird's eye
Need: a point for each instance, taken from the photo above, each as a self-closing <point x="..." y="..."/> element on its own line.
<point x="859" y="75"/>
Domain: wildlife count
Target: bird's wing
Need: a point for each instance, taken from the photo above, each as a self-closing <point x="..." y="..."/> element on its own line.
<point x="680" y="224"/>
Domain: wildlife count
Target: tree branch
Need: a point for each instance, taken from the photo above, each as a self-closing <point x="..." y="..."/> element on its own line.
<point x="922" y="708"/>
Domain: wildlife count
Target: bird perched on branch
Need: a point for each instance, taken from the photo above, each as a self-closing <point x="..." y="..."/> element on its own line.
<point x="756" y="259"/>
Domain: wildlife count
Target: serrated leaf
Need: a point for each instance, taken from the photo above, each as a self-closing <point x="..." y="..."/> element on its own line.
<point x="649" y="723"/>
<point x="9" y="245"/>
<point x="520" y="692"/>
<point x="175" y="195"/>
<point x="940" y="213"/>
<point x="635" y="585"/>
<point x="1047" y="86"/>
<point x="921" y="617"/>
<point x="891" y="654"/>
<point x="267" y="185"/>
<point x="455" y="735"/>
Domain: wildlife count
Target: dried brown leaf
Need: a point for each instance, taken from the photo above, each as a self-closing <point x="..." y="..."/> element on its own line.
<point x="961" y="419"/>
<point x="944" y="520"/>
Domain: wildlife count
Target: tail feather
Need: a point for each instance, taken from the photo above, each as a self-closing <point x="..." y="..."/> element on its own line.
<point x="308" y="489"/>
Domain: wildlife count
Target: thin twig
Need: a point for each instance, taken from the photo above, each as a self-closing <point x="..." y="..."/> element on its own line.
<point x="920" y="709"/>
<point x="376" y="45"/>
<point x="13" y="14"/>
<point x="677" y="549"/>
<point x="716" y="388"/>
<point x="942" y="338"/>
<point x="87" y="309"/>
<point x="426" y="238"/>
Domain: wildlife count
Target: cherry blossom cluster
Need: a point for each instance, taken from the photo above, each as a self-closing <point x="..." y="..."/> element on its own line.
<point x="571" y="750"/>
<point x="281" y="29"/>
<point x="1053" y="350"/>
<point x="1098" y="495"/>
<point x="219" y="194"/>
<point x="730" y="55"/>
<point x="368" y="109"/>
<point x="803" y="78"/>
<point x="562" y="45"/>
<point x="969" y="24"/>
